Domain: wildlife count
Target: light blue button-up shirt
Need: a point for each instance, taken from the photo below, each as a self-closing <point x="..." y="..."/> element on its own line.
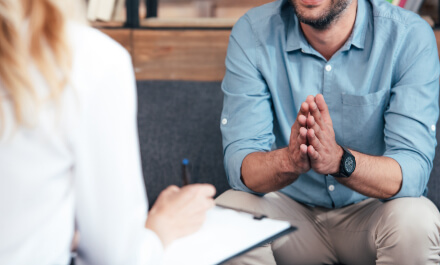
<point x="382" y="89"/>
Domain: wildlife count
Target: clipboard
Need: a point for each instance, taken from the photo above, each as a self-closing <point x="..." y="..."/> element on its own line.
<point x="226" y="234"/>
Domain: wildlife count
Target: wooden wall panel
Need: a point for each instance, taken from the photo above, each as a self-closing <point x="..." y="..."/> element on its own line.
<point x="123" y="36"/>
<point x="437" y="36"/>
<point x="180" y="54"/>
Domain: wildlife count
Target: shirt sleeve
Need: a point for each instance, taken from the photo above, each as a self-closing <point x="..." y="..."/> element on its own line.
<point x="247" y="117"/>
<point x="111" y="203"/>
<point x="410" y="120"/>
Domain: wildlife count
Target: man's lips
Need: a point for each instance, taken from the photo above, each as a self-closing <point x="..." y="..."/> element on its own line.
<point x="311" y="2"/>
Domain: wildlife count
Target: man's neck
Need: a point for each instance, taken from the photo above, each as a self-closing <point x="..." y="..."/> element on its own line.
<point x="328" y="41"/>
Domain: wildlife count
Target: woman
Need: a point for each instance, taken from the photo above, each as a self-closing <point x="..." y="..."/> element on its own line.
<point x="69" y="148"/>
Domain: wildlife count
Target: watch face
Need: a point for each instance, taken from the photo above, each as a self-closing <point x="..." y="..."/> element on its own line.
<point x="349" y="164"/>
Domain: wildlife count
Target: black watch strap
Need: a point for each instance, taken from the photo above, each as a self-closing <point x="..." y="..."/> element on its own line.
<point x="348" y="164"/>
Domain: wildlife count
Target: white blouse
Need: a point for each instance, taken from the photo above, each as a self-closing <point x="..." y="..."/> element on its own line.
<point x="78" y="166"/>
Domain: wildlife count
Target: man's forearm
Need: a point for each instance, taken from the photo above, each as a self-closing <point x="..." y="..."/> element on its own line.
<point x="270" y="171"/>
<point x="377" y="177"/>
<point x="267" y="171"/>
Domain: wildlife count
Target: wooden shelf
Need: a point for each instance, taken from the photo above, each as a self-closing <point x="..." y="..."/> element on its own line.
<point x="103" y="25"/>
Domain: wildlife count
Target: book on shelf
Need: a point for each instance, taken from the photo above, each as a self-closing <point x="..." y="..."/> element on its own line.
<point x="402" y="3"/>
<point x="105" y="10"/>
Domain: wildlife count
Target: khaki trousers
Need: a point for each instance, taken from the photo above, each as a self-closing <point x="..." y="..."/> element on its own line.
<point x="401" y="231"/>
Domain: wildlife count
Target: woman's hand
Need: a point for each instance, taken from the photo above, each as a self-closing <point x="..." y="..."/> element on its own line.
<point x="180" y="211"/>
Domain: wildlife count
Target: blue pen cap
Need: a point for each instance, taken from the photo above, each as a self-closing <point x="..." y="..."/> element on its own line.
<point x="185" y="162"/>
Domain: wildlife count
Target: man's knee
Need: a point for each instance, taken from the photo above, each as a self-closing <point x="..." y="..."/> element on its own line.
<point x="411" y="225"/>
<point x="241" y="200"/>
<point x="411" y="215"/>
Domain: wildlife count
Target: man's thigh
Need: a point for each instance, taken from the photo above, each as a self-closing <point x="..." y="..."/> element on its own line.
<point x="308" y="245"/>
<point x="400" y="231"/>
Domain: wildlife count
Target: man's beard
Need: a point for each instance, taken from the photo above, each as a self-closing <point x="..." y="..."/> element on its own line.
<point x="329" y="15"/>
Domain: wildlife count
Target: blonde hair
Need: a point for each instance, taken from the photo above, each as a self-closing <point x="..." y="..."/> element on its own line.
<point x="44" y="43"/>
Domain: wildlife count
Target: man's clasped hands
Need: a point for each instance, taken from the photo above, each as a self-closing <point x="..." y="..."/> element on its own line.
<point x="312" y="142"/>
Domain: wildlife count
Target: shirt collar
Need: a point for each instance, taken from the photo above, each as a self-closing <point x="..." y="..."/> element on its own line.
<point x="296" y="39"/>
<point x="363" y="15"/>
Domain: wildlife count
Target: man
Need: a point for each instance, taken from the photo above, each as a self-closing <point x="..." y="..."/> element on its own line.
<point x="329" y="122"/>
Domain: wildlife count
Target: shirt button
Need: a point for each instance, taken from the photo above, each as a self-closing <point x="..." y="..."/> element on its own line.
<point x="225" y="121"/>
<point x="328" y="68"/>
<point x="433" y="128"/>
<point x="331" y="188"/>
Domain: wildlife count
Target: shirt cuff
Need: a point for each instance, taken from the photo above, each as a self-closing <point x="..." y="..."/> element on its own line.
<point x="152" y="251"/>
<point x="413" y="176"/>
<point x="233" y="170"/>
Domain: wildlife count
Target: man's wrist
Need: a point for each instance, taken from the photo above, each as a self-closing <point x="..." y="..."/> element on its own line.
<point x="287" y="163"/>
<point x="347" y="164"/>
<point x="337" y="163"/>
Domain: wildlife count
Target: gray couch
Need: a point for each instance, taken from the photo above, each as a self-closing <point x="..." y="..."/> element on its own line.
<point x="181" y="120"/>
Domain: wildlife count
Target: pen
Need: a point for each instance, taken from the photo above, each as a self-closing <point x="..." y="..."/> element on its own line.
<point x="186" y="176"/>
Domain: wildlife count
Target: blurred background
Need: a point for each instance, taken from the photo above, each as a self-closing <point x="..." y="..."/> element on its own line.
<point x="114" y="10"/>
<point x="187" y="39"/>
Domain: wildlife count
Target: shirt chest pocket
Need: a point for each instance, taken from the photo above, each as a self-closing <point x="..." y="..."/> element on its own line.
<point x="363" y="121"/>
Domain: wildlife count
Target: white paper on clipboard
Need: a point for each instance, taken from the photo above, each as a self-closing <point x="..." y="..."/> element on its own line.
<point x="225" y="234"/>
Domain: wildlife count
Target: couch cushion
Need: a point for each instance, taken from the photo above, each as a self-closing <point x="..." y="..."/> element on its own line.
<point x="178" y="120"/>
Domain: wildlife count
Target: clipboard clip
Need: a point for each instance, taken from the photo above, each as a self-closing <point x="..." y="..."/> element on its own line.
<point x="256" y="216"/>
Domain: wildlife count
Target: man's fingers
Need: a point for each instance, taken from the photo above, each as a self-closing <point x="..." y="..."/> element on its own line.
<point x="323" y="108"/>
<point x="311" y="124"/>
<point x="313" y="154"/>
<point x="302" y="120"/>
<point x="304" y="110"/>
<point x="316" y="113"/>
<point x="303" y="151"/>
<point x="302" y="137"/>
<point x="313" y="140"/>
<point x="320" y="101"/>
<point x="301" y="117"/>
<point x="310" y="99"/>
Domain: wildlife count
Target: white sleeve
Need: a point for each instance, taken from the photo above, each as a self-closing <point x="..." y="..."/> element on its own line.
<point x="111" y="203"/>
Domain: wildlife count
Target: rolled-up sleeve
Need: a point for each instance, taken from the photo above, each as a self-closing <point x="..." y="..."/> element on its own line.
<point x="247" y="119"/>
<point x="410" y="120"/>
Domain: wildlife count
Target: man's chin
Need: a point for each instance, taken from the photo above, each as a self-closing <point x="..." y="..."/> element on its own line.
<point x="310" y="20"/>
<point x="310" y="13"/>
<point x="316" y="23"/>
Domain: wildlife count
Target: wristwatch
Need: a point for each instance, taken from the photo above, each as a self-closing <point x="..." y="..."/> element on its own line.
<point x="348" y="164"/>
